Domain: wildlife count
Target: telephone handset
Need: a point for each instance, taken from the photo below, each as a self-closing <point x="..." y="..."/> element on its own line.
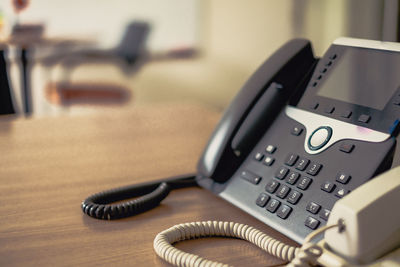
<point x="304" y="132"/>
<point x="255" y="107"/>
<point x="371" y="224"/>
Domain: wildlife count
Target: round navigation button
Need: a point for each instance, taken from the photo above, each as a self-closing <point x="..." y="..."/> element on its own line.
<point x="319" y="137"/>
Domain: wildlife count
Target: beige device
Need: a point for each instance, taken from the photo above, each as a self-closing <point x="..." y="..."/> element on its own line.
<point x="371" y="220"/>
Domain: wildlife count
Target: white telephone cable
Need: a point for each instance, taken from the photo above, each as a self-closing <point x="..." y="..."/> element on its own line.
<point x="164" y="249"/>
<point x="303" y="256"/>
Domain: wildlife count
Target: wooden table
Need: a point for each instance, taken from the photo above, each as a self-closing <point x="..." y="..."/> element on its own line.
<point x="49" y="165"/>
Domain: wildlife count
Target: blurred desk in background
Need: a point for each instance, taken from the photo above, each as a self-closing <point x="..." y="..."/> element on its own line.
<point x="25" y="39"/>
<point x="49" y="165"/>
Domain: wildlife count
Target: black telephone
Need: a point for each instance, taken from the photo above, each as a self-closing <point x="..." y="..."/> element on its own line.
<point x="303" y="132"/>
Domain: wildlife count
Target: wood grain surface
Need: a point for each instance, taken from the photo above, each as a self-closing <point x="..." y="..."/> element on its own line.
<point x="49" y="165"/>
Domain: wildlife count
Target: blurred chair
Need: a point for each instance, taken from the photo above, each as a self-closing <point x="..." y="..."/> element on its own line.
<point x="128" y="56"/>
<point x="125" y="55"/>
<point x="6" y="103"/>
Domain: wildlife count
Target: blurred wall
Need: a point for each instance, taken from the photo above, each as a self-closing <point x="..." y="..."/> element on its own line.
<point x="239" y="35"/>
<point x="245" y="31"/>
<point x="174" y="22"/>
<point x="233" y="36"/>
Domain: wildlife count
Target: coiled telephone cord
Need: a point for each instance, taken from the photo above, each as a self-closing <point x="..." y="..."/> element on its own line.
<point x="149" y="195"/>
<point x="298" y="257"/>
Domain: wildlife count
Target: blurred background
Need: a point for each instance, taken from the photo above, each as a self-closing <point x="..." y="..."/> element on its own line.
<point x="82" y="56"/>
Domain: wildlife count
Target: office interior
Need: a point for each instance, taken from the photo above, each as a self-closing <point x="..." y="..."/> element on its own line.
<point x="69" y="58"/>
<point x="217" y="44"/>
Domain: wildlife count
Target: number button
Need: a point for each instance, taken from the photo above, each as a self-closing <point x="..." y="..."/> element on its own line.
<point x="271" y="186"/>
<point x="262" y="200"/>
<point x="314" y="168"/>
<point x="304" y="183"/>
<point x="281" y="173"/>
<point x="284" y="211"/>
<point x="302" y="164"/>
<point x="293" y="177"/>
<point x="273" y="205"/>
<point x="294" y="197"/>
<point x="291" y="159"/>
<point x="283" y="191"/>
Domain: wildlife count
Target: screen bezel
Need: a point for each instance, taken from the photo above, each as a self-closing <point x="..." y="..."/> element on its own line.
<point x="381" y="120"/>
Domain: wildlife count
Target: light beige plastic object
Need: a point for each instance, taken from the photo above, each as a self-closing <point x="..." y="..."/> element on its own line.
<point x="371" y="217"/>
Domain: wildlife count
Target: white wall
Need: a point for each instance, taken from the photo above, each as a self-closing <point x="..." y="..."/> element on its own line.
<point x="174" y="22"/>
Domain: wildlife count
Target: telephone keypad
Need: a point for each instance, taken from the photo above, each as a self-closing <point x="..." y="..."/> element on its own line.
<point x="283" y="191"/>
<point x="313" y="207"/>
<point x="281" y="173"/>
<point x="292" y="178"/>
<point x="294" y="197"/>
<point x="314" y="168"/>
<point x="291" y="159"/>
<point x="262" y="200"/>
<point x="304" y="183"/>
<point x="312" y="223"/>
<point x="284" y="211"/>
<point x="272" y="186"/>
<point x="273" y="205"/>
<point x="302" y="164"/>
<point x="293" y="172"/>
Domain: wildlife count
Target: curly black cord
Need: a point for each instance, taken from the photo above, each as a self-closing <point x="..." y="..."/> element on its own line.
<point x="149" y="195"/>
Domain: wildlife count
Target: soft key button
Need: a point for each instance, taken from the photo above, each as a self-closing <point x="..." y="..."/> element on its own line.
<point x="319" y="137"/>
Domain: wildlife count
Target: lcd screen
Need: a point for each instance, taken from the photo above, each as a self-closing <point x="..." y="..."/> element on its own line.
<point x="364" y="77"/>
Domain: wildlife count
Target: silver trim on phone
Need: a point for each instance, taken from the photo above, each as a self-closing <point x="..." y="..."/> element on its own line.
<point x="340" y="130"/>
<point x="388" y="46"/>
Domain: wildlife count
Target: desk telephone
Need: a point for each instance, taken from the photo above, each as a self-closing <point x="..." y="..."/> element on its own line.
<point x="302" y="134"/>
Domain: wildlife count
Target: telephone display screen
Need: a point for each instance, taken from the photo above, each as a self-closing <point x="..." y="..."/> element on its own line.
<point x="364" y="77"/>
